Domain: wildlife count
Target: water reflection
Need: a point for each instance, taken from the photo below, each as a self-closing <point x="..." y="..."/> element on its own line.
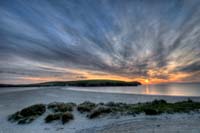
<point x="147" y="89"/>
<point x="166" y="89"/>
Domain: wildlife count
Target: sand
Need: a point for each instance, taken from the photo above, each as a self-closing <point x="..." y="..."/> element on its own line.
<point x="13" y="99"/>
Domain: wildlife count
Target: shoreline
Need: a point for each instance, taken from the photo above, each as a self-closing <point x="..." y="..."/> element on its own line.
<point x="69" y="88"/>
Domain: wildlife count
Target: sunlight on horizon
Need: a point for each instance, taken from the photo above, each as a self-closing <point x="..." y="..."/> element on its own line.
<point x="146" y="81"/>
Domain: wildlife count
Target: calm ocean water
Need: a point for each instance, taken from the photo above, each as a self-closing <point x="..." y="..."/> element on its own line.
<point x="164" y="89"/>
<point x="191" y="89"/>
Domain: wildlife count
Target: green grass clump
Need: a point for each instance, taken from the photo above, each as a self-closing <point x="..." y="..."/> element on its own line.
<point x="37" y="109"/>
<point x="155" y="107"/>
<point x="118" y="107"/>
<point x="61" y="107"/>
<point x="160" y="106"/>
<point x="27" y="115"/>
<point x="53" y="117"/>
<point x="186" y="106"/>
<point x="64" y="117"/>
<point x="99" y="111"/>
<point x="86" y="106"/>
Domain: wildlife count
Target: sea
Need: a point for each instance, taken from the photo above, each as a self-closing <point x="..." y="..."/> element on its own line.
<point x="173" y="89"/>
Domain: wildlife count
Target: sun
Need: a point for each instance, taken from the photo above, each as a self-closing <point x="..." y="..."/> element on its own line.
<point x="146" y="81"/>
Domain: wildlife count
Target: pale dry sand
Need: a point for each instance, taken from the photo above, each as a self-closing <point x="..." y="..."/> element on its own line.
<point x="13" y="99"/>
<point x="165" y="123"/>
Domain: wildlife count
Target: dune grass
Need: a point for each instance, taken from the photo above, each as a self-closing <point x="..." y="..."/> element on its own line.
<point x="61" y="107"/>
<point x="155" y="107"/>
<point x="27" y="115"/>
<point x="53" y="117"/>
<point x="64" y="111"/>
<point x="86" y="106"/>
<point x="64" y="117"/>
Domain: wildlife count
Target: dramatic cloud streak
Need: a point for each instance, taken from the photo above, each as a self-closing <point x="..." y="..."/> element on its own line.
<point x="112" y="39"/>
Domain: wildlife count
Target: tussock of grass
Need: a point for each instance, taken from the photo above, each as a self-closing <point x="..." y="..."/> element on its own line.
<point x="61" y="107"/>
<point x="64" y="117"/>
<point x="99" y="111"/>
<point x="86" y="106"/>
<point x="53" y="117"/>
<point x="27" y="115"/>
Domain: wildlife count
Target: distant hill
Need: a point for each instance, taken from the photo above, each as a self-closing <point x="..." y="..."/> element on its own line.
<point x="80" y="83"/>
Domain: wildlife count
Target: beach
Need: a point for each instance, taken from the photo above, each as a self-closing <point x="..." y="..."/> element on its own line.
<point x="13" y="99"/>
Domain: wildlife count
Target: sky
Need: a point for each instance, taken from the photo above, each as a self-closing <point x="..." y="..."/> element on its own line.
<point x="61" y="40"/>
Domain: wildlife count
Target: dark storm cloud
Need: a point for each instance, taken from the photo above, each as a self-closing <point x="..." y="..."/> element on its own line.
<point x="125" y="38"/>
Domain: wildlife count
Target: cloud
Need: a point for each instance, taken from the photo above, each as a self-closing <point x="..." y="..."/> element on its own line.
<point x="132" y="39"/>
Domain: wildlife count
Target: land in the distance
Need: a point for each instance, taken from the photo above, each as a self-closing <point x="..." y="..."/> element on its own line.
<point x="80" y="83"/>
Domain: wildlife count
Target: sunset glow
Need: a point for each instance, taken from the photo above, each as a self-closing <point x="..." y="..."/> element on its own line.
<point x="146" y="81"/>
<point x="75" y="65"/>
<point x="121" y="40"/>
